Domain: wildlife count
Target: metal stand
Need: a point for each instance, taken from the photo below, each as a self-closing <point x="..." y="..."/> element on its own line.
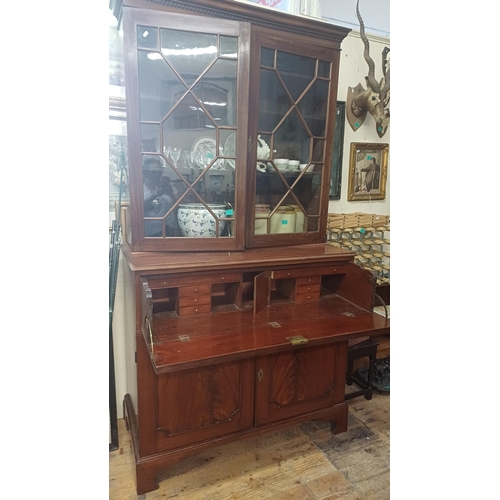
<point x="114" y="259"/>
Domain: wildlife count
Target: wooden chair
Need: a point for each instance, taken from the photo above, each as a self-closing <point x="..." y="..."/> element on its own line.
<point x="360" y="348"/>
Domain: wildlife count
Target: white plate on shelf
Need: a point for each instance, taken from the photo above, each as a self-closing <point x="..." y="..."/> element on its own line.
<point x="203" y="151"/>
<point x="230" y="149"/>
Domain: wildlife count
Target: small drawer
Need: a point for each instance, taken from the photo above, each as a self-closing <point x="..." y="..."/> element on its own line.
<point x="307" y="297"/>
<point x="309" y="280"/>
<point x="190" y="291"/>
<point x="226" y="278"/>
<point x="311" y="288"/>
<point x="194" y="310"/>
<point x="194" y="300"/>
<point x="307" y="272"/>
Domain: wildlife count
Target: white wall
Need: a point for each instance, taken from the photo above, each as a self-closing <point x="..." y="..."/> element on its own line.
<point x="375" y="15"/>
<point x="353" y="69"/>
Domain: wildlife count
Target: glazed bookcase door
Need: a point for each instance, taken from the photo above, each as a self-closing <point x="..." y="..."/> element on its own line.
<point x="187" y="135"/>
<point x="289" y="165"/>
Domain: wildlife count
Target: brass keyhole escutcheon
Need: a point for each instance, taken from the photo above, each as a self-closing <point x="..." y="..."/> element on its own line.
<point x="260" y="375"/>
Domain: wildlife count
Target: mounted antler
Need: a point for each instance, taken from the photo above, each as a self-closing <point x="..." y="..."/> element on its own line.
<point x="375" y="99"/>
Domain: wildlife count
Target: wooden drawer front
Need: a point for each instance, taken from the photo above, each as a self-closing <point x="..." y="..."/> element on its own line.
<point x="307" y="272"/>
<point x="308" y="289"/>
<point x="311" y="280"/>
<point x="188" y="281"/>
<point x="307" y="296"/>
<point x="226" y="278"/>
<point x="195" y="300"/>
<point x="193" y="291"/>
<point x="194" y="310"/>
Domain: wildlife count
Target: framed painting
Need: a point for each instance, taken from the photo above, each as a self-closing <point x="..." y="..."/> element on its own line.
<point x="367" y="171"/>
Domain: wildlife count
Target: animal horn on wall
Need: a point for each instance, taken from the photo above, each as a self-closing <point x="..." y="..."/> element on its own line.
<point x="375" y="98"/>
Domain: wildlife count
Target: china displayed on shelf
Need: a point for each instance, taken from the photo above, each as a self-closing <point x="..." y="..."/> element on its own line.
<point x="196" y="221"/>
<point x="263" y="153"/>
<point x="230" y="149"/>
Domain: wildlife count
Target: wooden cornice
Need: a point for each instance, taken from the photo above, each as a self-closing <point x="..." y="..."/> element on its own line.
<point x="243" y="12"/>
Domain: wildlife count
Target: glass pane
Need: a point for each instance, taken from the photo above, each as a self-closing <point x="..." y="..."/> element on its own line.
<point x="274" y="102"/>
<point x="227" y="141"/>
<point x="147" y="37"/>
<point x="288" y="183"/>
<point x="217" y="91"/>
<point x="190" y="53"/>
<point x="313" y="107"/>
<point x="117" y="160"/>
<point x="158" y="197"/>
<point x="228" y="46"/>
<point x="190" y="89"/>
<point x="318" y="150"/>
<point x="219" y="186"/>
<point x="186" y="123"/>
<point x="324" y="69"/>
<point x="267" y="57"/>
<point x="150" y="138"/>
<point x="297" y="72"/>
<point x="291" y="140"/>
<point x="158" y="86"/>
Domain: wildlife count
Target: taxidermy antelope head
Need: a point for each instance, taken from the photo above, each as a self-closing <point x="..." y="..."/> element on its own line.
<point x="375" y="99"/>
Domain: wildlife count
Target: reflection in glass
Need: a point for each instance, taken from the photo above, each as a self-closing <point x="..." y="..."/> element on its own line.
<point x="189" y="89"/>
<point x="227" y="146"/>
<point x="324" y="69"/>
<point x="228" y="46"/>
<point x="293" y="105"/>
<point x="147" y="37"/>
<point x="216" y="90"/>
<point x="291" y="139"/>
<point x="187" y="115"/>
<point x="150" y="137"/>
<point x="318" y="152"/>
<point x="274" y="102"/>
<point x="158" y="199"/>
<point x="189" y="53"/>
<point x="155" y="86"/>
<point x="313" y="107"/>
<point x="267" y="57"/>
<point x="296" y="71"/>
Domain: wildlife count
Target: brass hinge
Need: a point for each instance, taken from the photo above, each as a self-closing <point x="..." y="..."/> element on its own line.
<point x="297" y="340"/>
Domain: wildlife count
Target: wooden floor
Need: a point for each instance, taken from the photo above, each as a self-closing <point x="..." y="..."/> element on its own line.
<point x="306" y="462"/>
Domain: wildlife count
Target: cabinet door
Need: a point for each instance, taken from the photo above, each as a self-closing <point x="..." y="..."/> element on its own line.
<point x="292" y="125"/>
<point x="299" y="381"/>
<point x="203" y="403"/>
<point x="187" y="81"/>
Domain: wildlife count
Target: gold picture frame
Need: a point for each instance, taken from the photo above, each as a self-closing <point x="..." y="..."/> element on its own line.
<point x="368" y="163"/>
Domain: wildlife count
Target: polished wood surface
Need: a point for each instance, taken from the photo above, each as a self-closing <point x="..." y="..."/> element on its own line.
<point x="257" y="258"/>
<point x="234" y="370"/>
<point x="242" y="334"/>
<point x="229" y="9"/>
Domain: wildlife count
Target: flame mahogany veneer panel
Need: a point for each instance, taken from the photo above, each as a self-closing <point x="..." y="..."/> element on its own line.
<point x="203" y="403"/>
<point x="300" y="381"/>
